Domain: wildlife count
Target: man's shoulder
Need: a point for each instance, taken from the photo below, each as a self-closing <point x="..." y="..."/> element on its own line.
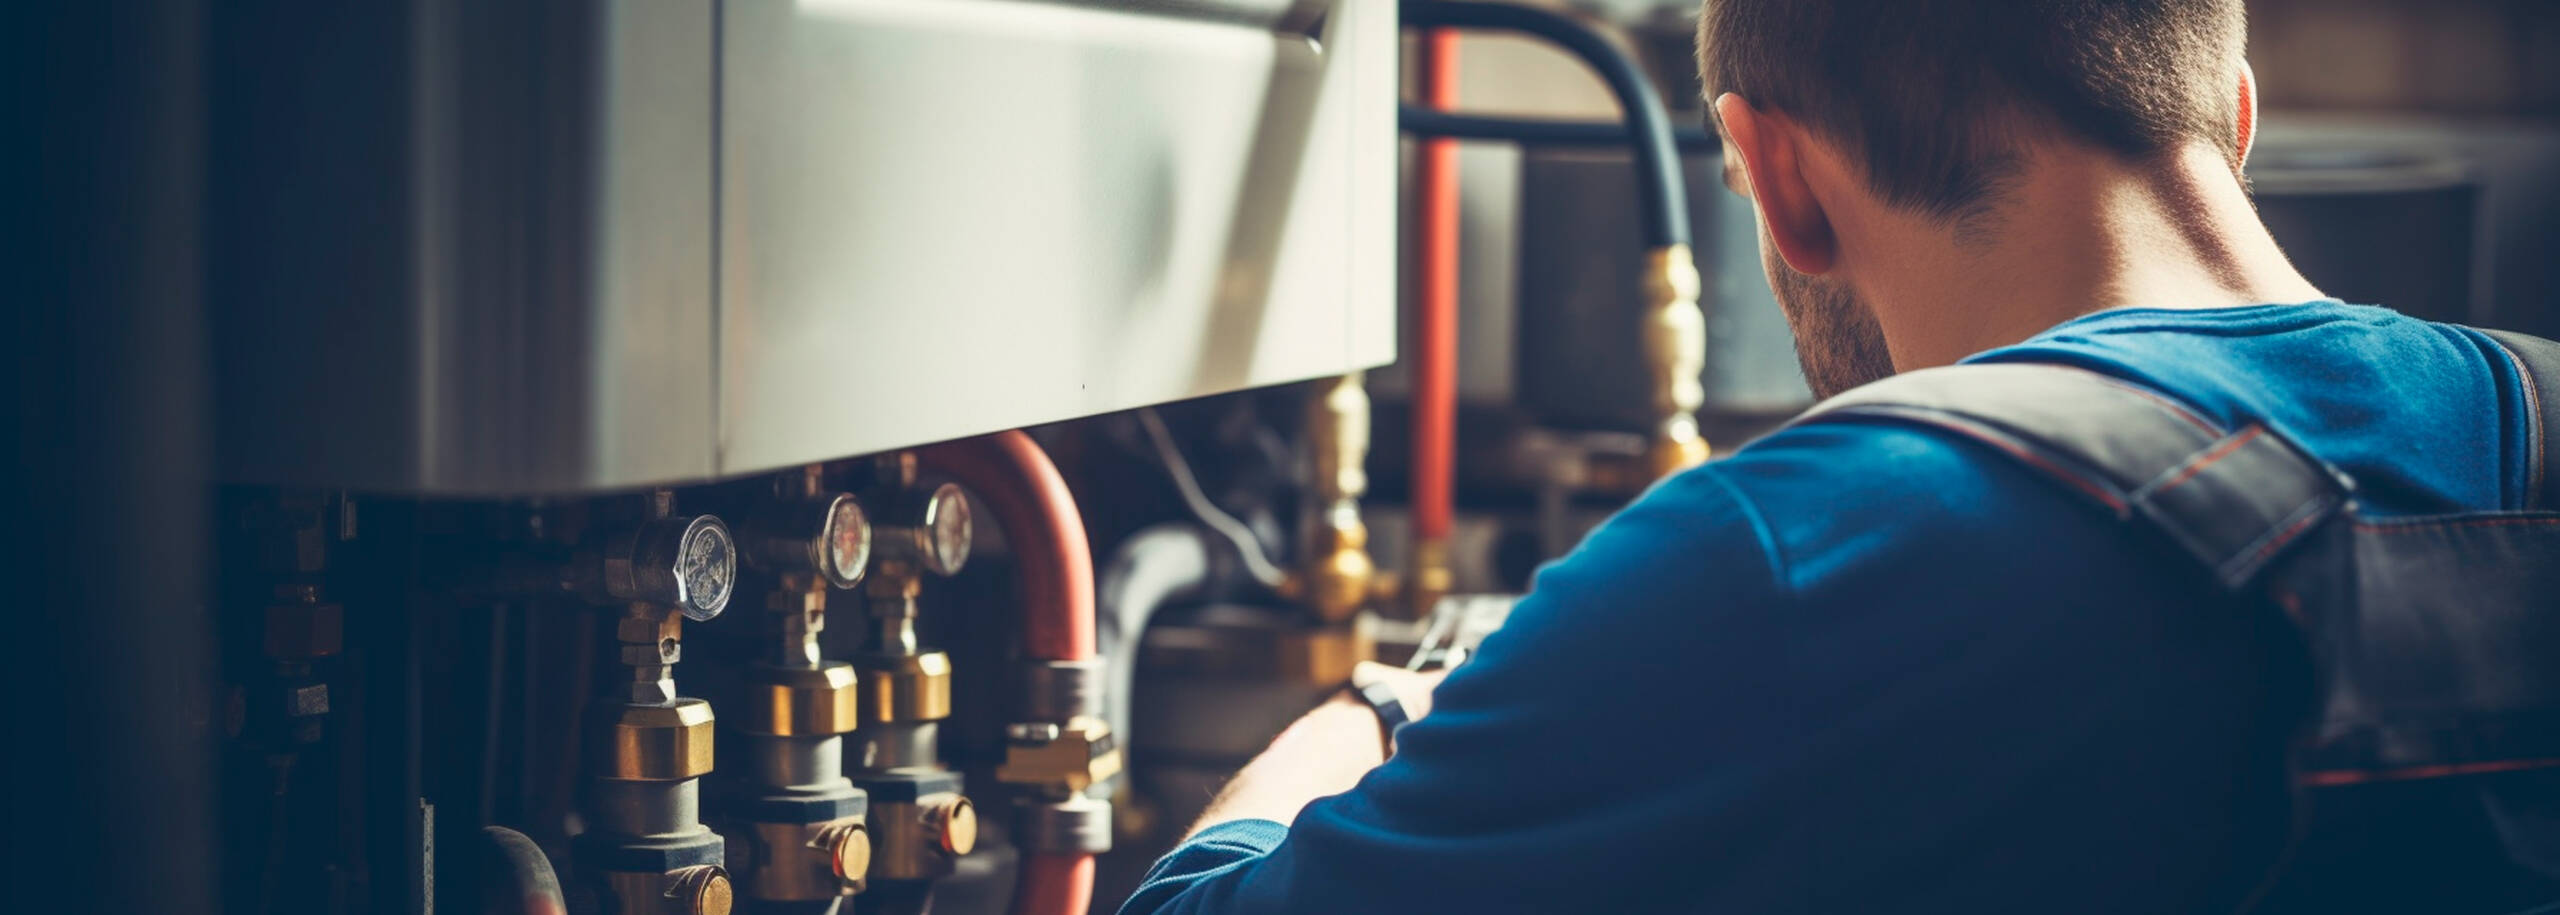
<point x="1852" y="499"/>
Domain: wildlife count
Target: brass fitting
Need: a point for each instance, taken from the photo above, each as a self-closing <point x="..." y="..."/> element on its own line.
<point x="904" y="688"/>
<point x="1062" y="759"/>
<point x="1336" y="580"/>
<point x="802" y="702"/>
<point x="1675" y="349"/>
<point x="701" y="889"/>
<point x="951" y="821"/>
<point x="848" y="850"/>
<point x="1431" y="578"/>
<point x="657" y="743"/>
<point x="919" y="839"/>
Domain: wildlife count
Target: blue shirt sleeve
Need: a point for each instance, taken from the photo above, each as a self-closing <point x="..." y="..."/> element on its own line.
<point x="1849" y="669"/>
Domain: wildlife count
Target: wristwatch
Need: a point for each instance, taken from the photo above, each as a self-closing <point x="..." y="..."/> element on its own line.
<point x="1381" y="697"/>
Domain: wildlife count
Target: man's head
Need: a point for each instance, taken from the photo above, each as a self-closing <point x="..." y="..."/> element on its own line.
<point x="1933" y="108"/>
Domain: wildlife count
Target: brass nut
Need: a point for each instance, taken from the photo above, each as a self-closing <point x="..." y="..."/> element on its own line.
<point x="304" y="631"/>
<point x="952" y="821"/>
<point x="702" y="889"/>
<point x="658" y="742"/>
<point x="905" y="688"/>
<point x="797" y="702"/>
<point x="849" y="852"/>
<point x="1338" y="584"/>
<point x="1081" y="754"/>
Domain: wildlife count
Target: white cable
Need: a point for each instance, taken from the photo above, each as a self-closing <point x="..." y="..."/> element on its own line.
<point x="1256" y="563"/>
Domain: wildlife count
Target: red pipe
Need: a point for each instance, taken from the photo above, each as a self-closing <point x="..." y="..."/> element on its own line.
<point x="1015" y="481"/>
<point x="1054" y="885"/>
<point x="1435" y="357"/>
<point x="1018" y="484"/>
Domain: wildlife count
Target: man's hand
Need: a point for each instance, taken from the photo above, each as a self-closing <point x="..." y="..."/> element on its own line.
<point x="1323" y="754"/>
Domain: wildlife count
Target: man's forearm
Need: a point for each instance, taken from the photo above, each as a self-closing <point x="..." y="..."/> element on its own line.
<point x="1323" y="754"/>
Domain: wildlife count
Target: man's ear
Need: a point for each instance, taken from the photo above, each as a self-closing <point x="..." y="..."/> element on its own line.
<point x="1772" y="151"/>
<point x="2248" y="111"/>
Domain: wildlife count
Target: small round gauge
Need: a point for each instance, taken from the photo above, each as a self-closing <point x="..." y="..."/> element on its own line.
<point x="843" y="547"/>
<point x="706" y="567"/>
<point x="946" y="530"/>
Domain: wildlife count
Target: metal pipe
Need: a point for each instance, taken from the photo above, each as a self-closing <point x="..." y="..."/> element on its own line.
<point x="1674" y="331"/>
<point x="1427" y="122"/>
<point x="1665" y="196"/>
<point x="1435" y="345"/>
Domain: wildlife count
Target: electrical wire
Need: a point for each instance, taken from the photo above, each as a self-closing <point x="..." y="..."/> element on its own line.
<point x="1256" y="562"/>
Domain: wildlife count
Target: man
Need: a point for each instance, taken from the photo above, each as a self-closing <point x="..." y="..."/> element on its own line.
<point x="1879" y="668"/>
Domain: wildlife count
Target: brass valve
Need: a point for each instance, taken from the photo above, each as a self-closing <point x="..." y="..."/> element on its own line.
<point x="1675" y="350"/>
<point x="1339" y="574"/>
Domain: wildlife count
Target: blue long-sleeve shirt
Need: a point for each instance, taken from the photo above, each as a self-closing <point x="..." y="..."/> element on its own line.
<point x="1862" y="668"/>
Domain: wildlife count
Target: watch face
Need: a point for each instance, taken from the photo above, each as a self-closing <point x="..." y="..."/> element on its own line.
<point x="946" y="530"/>
<point x="706" y="565"/>
<point x="845" y="546"/>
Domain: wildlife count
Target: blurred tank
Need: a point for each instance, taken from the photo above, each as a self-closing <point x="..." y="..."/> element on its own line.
<point x="1580" y="307"/>
<point x="2377" y="227"/>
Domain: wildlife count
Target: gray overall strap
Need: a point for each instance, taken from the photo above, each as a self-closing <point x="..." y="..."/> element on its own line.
<point x="2537" y="363"/>
<point x="2233" y="499"/>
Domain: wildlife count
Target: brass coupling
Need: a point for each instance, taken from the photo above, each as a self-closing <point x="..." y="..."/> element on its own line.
<point x="1340" y="577"/>
<point x="1060" y="760"/>
<point x="1339" y="574"/>
<point x="802" y="702"/>
<point x="904" y="688"/>
<point x="657" y="743"/>
<point x="1675" y="350"/>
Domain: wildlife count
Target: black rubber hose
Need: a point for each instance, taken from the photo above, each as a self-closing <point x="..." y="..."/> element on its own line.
<point x="1426" y="122"/>
<point x="1665" y="196"/>
<point x="1157" y="566"/>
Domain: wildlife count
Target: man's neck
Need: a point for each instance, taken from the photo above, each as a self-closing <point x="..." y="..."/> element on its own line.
<point x="2081" y="232"/>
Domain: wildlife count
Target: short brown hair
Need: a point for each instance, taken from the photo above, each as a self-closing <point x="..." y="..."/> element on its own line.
<point x="1928" y="92"/>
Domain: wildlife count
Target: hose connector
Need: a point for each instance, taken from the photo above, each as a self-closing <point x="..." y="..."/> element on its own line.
<point x="1675" y="351"/>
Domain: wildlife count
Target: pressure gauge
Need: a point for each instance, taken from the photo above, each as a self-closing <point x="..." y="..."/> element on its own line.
<point x="687" y="563"/>
<point x="707" y="565"/>
<point x="931" y="531"/>
<point x="843" y="545"/>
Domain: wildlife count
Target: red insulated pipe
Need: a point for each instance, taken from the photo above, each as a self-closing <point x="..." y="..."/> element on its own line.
<point x="1018" y="484"/>
<point x="1435" y="347"/>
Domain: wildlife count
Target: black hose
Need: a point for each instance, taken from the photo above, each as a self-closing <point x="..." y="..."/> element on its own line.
<point x="1664" y="195"/>
<point x="1427" y="122"/>
<point x="1154" y="567"/>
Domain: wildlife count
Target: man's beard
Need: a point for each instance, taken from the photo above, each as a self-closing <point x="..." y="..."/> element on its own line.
<point x="1837" y="340"/>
